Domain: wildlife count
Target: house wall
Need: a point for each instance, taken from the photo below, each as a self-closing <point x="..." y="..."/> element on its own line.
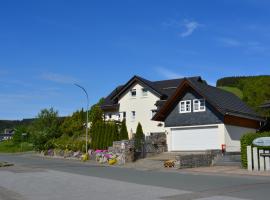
<point x="143" y="106"/>
<point x="228" y="135"/>
<point x="233" y="135"/>
<point x="168" y="131"/>
<point x="209" y="116"/>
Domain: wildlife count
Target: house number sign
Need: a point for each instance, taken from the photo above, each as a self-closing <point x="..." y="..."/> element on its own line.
<point x="262" y="142"/>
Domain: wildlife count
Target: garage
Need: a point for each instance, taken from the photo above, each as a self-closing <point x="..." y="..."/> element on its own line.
<point x="195" y="139"/>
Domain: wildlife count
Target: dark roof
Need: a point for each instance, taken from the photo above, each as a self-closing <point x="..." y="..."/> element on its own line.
<point x="225" y="102"/>
<point x="108" y="102"/>
<point x="164" y="89"/>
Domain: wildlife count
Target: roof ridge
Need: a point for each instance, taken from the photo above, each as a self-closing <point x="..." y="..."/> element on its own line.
<point x="180" y="78"/>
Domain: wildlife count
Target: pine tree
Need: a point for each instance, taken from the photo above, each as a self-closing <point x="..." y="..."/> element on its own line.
<point x="123" y="131"/>
<point x="93" y="136"/>
<point x="115" y="133"/>
<point x="139" y="137"/>
<point x="98" y="137"/>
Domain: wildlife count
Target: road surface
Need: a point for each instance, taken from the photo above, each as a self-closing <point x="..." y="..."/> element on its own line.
<point x="36" y="178"/>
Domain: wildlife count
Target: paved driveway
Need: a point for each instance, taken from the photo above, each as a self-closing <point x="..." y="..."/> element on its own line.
<point x="37" y="178"/>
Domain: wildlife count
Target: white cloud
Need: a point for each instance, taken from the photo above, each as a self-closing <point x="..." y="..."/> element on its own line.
<point x="229" y="42"/>
<point x="168" y="73"/>
<point x="186" y="27"/>
<point x="190" y="27"/>
<point x="58" y="78"/>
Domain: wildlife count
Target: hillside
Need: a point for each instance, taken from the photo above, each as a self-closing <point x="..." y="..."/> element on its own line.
<point x="233" y="90"/>
<point x="13" y="123"/>
<point x="254" y="90"/>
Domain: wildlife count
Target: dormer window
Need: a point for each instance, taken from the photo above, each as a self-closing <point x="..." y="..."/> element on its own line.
<point x="185" y="106"/>
<point x="198" y="105"/>
<point x="133" y="92"/>
<point x="144" y="92"/>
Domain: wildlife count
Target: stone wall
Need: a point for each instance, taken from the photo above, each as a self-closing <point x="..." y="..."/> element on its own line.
<point x="125" y="147"/>
<point x="197" y="160"/>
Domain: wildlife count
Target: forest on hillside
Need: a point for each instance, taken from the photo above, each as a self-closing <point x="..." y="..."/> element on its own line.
<point x="254" y="90"/>
<point x="10" y="124"/>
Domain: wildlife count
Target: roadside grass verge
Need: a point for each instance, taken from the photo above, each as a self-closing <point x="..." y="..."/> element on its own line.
<point x="9" y="147"/>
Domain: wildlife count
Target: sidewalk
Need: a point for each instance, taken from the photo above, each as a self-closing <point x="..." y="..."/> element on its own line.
<point x="225" y="170"/>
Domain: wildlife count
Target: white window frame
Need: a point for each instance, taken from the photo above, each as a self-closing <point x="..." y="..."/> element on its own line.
<point x="200" y="107"/>
<point x="185" y="106"/>
<point x="144" y="92"/>
<point x="133" y="90"/>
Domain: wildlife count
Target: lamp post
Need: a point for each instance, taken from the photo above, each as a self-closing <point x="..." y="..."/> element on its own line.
<point x="87" y="98"/>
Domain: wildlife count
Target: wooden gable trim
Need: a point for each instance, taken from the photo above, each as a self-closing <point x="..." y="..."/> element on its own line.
<point x="240" y="121"/>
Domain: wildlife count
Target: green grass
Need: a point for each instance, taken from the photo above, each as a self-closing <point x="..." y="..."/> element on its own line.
<point x="10" y="147"/>
<point x="233" y="90"/>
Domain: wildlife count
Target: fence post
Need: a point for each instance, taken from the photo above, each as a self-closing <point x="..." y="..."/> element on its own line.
<point x="249" y="158"/>
<point x="255" y="159"/>
<point x="267" y="162"/>
<point x="262" y="168"/>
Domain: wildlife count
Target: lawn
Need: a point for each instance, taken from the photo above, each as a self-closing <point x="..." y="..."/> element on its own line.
<point x="10" y="147"/>
<point x="233" y="90"/>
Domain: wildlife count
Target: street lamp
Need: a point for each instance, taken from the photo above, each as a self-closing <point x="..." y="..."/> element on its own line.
<point x="87" y="98"/>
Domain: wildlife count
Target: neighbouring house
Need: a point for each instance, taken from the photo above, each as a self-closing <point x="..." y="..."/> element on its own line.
<point x="194" y="115"/>
<point x="7" y="135"/>
<point x="137" y="101"/>
<point x="266" y="107"/>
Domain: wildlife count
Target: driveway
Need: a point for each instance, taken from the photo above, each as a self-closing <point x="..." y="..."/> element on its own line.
<point x="37" y="178"/>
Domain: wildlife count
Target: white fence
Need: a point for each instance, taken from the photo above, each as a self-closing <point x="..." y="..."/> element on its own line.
<point x="258" y="159"/>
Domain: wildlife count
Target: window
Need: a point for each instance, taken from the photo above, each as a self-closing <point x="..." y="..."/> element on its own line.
<point x="185" y="106"/>
<point x="198" y="105"/>
<point x="133" y="115"/>
<point x="124" y="115"/>
<point x="144" y="92"/>
<point x="133" y="92"/>
<point x="110" y="116"/>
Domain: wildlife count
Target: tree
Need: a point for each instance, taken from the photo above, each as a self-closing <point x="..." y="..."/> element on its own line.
<point x="74" y="125"/>
<point x="45" y="127"/>
<point x="139" y="137"/>
<point x="95" y="113"/>
<point x="18" y="136"/>
<point x="123" y="135"/>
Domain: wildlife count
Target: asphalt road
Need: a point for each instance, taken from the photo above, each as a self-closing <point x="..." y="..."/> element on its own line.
<point x="170" y="185"/>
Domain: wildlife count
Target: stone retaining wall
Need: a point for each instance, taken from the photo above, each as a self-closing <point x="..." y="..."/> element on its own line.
<point x="196" y="160"/>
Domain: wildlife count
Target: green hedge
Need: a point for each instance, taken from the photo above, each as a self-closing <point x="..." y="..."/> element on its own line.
<point x="246" y="140"/>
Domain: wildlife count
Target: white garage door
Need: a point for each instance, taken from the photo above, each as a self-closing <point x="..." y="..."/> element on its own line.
<point x="192" y="139"/>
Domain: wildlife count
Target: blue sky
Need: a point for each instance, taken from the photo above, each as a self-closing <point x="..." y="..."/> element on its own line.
<point x="46" y="46"/>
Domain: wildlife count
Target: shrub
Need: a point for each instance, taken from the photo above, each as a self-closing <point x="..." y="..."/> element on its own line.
<point x="123" y="135"/>
<point x="247" y="140"/>
<point x="139" y="137"/>
<point x="103" y="134"/>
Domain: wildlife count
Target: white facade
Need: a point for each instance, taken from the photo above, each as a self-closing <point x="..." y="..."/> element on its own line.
<point x="233" y="135"/>
<point x="138" y="108"/>
<point x="200" y="138"/>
